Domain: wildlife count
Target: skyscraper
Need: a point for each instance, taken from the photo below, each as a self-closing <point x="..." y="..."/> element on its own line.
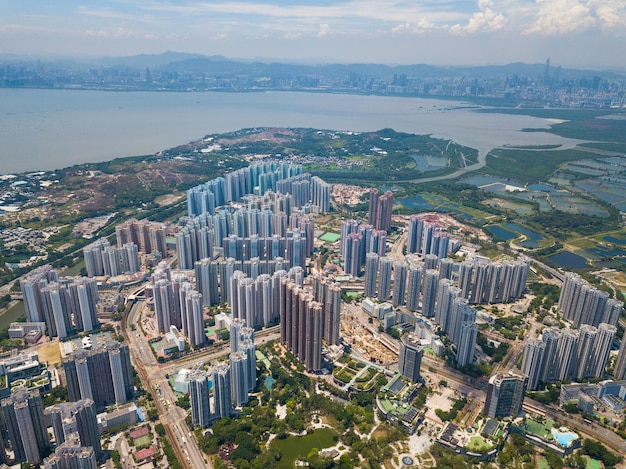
<point x="384" y="278"/>
<point x="414" y="234"/>
<point x="549" y="370"/>
<point x="221" y="390"/>
<point x="466" y="346"/>
<point x="414" y="286"/>
<point x="100" y="374"/>
<point x="248" y="348"/>
<point x="601" y="349"/>
<point x="24" y="421"/>
<point x="93" y="257"/>
<point x="301" y="321"/>
<point x="380" y="209"/>
<point x="431" y="283"/>
<point x="372" y="216"/>
<point x="581" y="303"/>
<point x="87" y="425"/>
<point x="199" y="398"/>
<point x="239" y="378"/>
<point x="533" y="361"/>
<point x="371" y="271"/>
<point x="505" y="395"/>
<point x="410" y="357"/>
<point x="399" y="283"/>
<point x="566" y="353"/>
<point x="71" y="455"/>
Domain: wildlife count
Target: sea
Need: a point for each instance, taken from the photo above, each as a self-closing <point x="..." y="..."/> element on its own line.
<point x="52" y="129"/>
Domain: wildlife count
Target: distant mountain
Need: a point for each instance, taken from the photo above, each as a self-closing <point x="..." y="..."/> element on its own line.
<point x="219" y="64"/>
<point x="197" y="63"/>
<point x="142" y="61"/>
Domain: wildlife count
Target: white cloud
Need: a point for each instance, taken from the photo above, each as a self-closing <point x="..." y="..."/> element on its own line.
<point x="422" y="26"/>
<point x="556" y="17"/>
<point x="401" y="28"/>
<point x="324" y="30"/>
<point x="486" y="19"/>
<point x="118" y="33"/>
<point x="292" y="35"/>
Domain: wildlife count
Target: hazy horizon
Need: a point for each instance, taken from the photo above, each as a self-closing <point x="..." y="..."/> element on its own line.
<point x="573" y="33"/>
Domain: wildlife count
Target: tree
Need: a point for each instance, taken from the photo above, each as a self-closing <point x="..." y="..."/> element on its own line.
<point x="116" y="458"/>
<point x="597" y="450"/>
<point x="160" y="429"/>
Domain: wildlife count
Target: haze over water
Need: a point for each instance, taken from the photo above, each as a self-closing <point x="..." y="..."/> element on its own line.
<point x="51" y="129"/>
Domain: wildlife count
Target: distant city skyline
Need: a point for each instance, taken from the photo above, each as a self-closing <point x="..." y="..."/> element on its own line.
<point x="574" y="33"/>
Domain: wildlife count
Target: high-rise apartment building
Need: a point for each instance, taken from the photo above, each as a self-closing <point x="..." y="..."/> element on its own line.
<point x="431" y="283"/>
<point x="384" y="278"/>
<point x="23" y="418"/>
<point x="414" y="286"/>
<point x="581" y="303"/>
<point x="100" y="374"/>
<point x="399" y="283"/>
<point x="199" y="398"/>
<point x="67" y="304"/>
<point x="380" y="209"/>
<point x="466" y="345"/>
<point x="71" y="455"/>
<point x="148" y="236"/>
<point x="301" y="321"/>
<point x="239" y="378"/>
<point x="371" y="271"/>
<point x="534" y="351"/>
<point x="221" y="390"/>
<point x="328" y="294"/>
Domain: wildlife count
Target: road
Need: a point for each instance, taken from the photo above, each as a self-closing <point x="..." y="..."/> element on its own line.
<point x="153" y="379"/>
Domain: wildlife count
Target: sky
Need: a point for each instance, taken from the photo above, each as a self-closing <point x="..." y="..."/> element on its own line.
<point x="573" y="33"/>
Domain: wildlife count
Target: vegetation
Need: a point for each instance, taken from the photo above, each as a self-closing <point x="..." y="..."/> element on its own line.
<point x="56" y="395"/>
<point x="550" y="396"/>
<point x="294" y="390"/>
<point x="530" y="165"/>
<point x="446" y="416"/>
<point x="597" y="450"/>
<point x="498" y="353"/>
<point x="562" y="225"/>
<point x="172" y="460"/>
<point x="546" y="296"/>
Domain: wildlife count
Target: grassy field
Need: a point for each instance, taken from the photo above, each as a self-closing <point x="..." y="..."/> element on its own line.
<point x="582" y="243"/>
<point x="478" y="444"/>
<point x="294" y="447"/>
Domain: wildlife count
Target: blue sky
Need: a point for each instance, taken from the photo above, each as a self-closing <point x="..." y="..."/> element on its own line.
<point x="579" y="33"/>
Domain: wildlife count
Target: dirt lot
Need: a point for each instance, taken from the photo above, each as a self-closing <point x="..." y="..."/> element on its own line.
<point x="50" y="353"/>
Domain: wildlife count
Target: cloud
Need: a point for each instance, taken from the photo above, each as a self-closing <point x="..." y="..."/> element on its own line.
<point x="292" y="35"/>
<point x="558" y="17"/>
<point x="324" y="30"/>
<point x="116" y="15"/>
<point x="374" y="10"/>
<point x="118" y="33"/>
<point x="486" y="19"/>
